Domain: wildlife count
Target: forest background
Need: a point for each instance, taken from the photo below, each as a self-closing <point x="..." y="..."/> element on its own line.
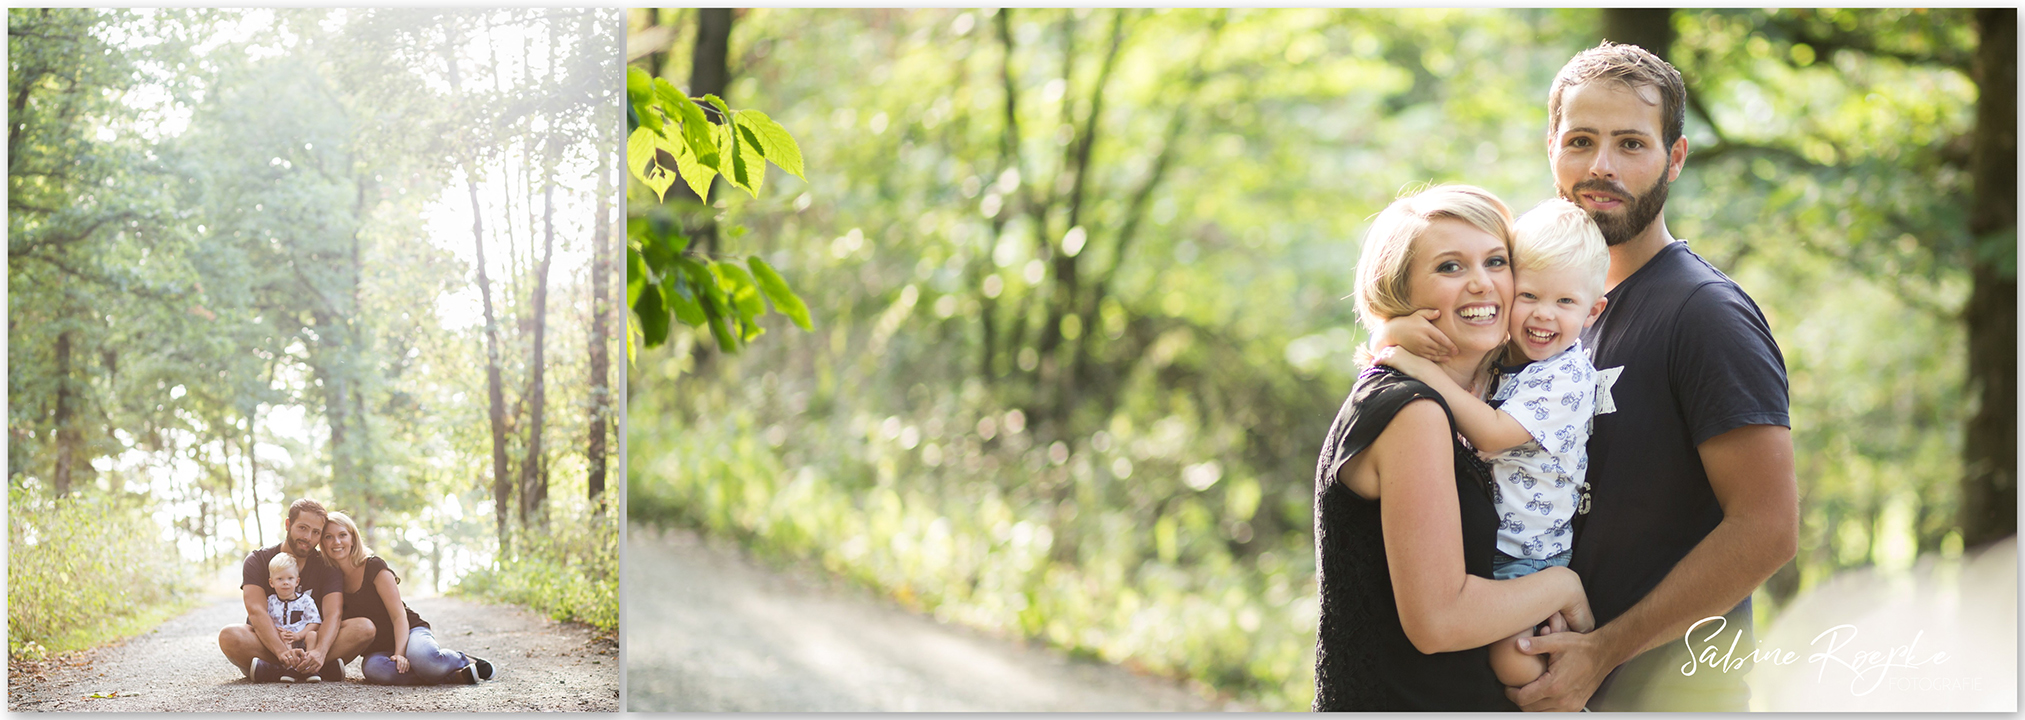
<point x="256" y="255"/>
<point x="1079" y="282"/>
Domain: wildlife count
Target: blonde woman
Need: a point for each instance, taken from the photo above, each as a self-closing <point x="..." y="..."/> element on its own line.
<point x="404" y="650"/>
<point x="1404" y="523"/>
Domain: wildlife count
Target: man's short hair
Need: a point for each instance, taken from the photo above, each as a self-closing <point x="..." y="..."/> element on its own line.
<point x="282" y="561"/>
<point x="305" y="505"/>
<point x="1633" y="66"/>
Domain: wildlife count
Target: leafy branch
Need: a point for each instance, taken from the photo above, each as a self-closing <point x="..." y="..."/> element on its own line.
<point x="669" y="137"/>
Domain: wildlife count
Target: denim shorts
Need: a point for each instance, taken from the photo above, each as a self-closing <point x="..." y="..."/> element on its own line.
<point x="1506" y="567"/>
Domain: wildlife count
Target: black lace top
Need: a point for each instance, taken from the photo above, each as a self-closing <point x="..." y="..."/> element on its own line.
<point x="367" y="603"/>
<point x="1363" y="660"/>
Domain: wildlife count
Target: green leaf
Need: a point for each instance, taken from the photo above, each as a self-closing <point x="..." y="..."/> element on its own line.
<point x="675" y="291"/>
<point x="653" y="318"/>
<point x="749" y="158"/>
<point x="743" y="291"/>
<point x="659" y="253"/>
<point x="697" y="130"/>
<point x="774" y="141"/>
<point x="742" y="167"/>
<point x="639" y="85"/>
<point x="642" y="158"/>
<point x="636" y="275"/>
<point x="784" y="299"/>
<point x="693" y="172"/>
<point x="720" y="328"/>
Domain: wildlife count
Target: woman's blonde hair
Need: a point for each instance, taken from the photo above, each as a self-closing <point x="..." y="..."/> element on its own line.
<point x="359" y="550"/>
<point x="1383" y="269"/>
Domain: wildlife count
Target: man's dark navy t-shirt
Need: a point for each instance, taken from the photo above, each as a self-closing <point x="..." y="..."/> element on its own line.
<point x="1682" y="355"/>
<point x="318" y="577"/>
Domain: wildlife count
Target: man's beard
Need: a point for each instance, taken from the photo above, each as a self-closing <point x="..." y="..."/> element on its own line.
<point x="301" y="550"/>
<point x="1638" y="214"/>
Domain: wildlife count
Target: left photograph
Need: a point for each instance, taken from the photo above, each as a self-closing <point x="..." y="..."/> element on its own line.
<point x="311" y="338"/>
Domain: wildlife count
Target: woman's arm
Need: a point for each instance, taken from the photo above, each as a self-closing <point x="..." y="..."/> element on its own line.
<point x="1491" y="430"/>
<point x="390" y="594"/>
<point x="1441" y="606"/>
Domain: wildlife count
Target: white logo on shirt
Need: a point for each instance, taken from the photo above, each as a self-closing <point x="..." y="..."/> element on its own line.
<point x="1606" y="379"/>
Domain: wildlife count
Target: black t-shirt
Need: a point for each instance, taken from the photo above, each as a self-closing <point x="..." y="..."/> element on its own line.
<point x="1363" y="660"/>
<point x="367" y="603"/>
<point x="1685" y="356"/>
<point x="318" y="578"/>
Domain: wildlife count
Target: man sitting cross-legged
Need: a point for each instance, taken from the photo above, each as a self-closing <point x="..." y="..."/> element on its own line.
<point x="257" y="647"/>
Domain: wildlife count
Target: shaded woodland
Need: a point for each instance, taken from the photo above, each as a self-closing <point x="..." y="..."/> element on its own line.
<point x="349" y="255"/>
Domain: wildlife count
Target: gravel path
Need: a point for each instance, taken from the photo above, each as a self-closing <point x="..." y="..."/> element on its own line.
<point x="710" y="630"/>
<point x="543" y="665"/>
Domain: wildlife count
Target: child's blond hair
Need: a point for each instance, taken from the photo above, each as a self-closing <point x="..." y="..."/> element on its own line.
<point x="1557" y="235"/>
<point x="282" y="561"/>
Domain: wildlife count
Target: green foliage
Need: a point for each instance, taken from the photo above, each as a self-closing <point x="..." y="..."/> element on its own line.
<point x="85" y="570"/>
<point x="671" y="138"/>
<point x="1100" y="432"/>
<point x="570" y="574"/>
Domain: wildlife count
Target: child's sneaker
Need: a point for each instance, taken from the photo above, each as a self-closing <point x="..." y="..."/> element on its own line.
<point x="262" y="671"/>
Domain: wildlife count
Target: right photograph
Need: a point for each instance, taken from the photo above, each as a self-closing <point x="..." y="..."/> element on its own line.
<point x="1196" y="360"/>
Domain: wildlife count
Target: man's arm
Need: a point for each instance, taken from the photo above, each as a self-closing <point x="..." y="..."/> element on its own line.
<point x="1751" y="471"/>
<point x="333" y="607"/>
<point x="263" y="626"/>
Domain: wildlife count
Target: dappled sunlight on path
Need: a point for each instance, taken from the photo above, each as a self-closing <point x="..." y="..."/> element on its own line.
<point x="1940" y="637"/>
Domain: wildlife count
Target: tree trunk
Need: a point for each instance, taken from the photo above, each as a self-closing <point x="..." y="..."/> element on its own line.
<point x="502" y="479"/>
<point x="1990" y="452"/>
<point x="601" y="387"/>
<point x="1649" y="28"/>
<point x="67" y="438"/>
<point x="533" y="480"/>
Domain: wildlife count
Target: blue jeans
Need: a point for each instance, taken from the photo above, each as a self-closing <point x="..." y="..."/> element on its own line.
<point x="428" y="664"/>
<point x="1506" y="567"/>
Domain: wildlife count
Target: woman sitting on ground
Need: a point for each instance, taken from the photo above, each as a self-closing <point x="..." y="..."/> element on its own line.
<point x="404" y="650"/>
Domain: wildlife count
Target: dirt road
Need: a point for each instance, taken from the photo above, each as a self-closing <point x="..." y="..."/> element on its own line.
<point x="543" y="665"/>
<point x="709" y="630"/>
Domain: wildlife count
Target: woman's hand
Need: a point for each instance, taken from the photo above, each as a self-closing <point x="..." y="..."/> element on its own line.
<point x="401" y="664"/>
<point x="1416" y="334"/>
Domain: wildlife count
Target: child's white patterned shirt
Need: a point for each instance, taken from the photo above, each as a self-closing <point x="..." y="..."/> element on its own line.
<point x="1537" y="485"/>
<point x="293" y="615"/>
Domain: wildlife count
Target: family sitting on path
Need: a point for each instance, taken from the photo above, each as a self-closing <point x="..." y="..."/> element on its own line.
<point x="309" y="613"/>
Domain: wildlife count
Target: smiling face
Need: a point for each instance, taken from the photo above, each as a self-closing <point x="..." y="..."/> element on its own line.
<point x="1465" y="273"/>
<point x="338" y="542"/>
<point x="1608" y="157"/>
<point x="303" y="534"/>
<point x="1550" y="309"/>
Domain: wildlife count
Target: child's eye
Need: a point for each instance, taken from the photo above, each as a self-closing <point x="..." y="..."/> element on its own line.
<point x="1526" y="296"/>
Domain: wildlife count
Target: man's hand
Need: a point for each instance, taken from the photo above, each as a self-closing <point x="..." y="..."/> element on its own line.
<point x="400" y="663"/>
<point x="1416" y="334"/>
<point x="310" y="661"/>
<point x="1575" y="667"/>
